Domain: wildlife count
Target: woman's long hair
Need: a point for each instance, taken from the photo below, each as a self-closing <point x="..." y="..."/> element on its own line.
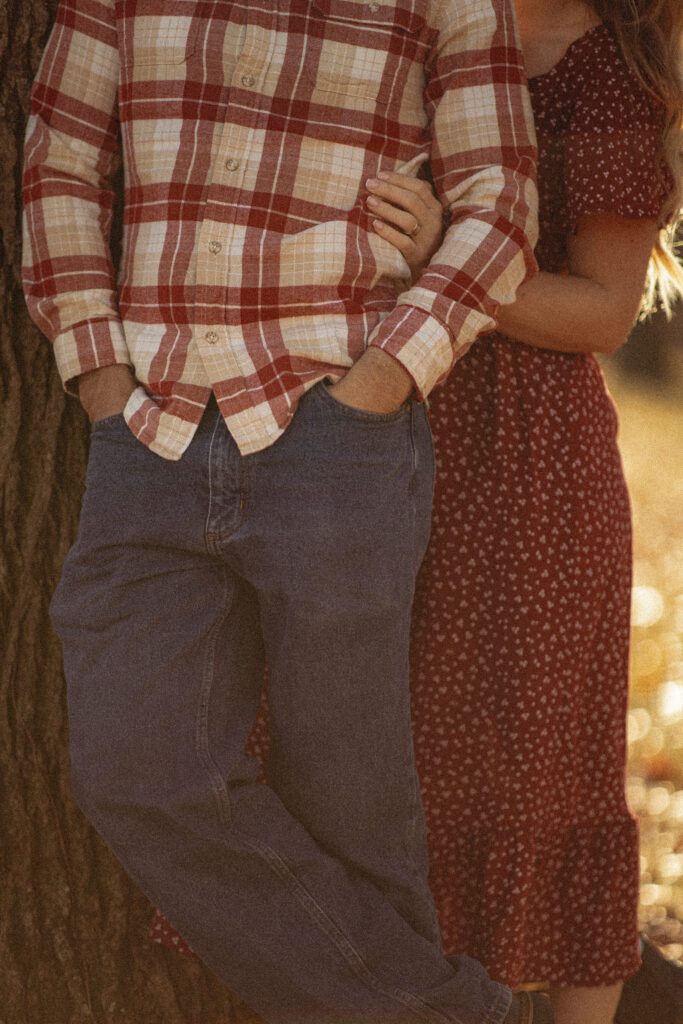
<point x="650" y="33"/>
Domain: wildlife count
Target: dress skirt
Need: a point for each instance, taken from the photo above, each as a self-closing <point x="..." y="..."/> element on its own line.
<point x="520" y="670"/>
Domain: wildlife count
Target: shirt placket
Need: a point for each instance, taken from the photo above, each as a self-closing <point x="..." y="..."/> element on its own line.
<point x="220" y="245"/>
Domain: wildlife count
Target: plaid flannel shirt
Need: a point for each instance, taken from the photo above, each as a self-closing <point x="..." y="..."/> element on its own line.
<point x="247" y="131"/>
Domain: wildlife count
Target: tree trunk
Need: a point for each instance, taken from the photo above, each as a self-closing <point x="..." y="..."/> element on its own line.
<point x="73" y="929"/>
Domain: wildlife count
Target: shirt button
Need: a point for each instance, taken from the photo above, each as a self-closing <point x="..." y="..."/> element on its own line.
<point x="232" y="164"/>
<point x="211" y="337"/>
<point x="374" y="6"/>
<point x="215" y="247"/>
<point x="248" y="80"/>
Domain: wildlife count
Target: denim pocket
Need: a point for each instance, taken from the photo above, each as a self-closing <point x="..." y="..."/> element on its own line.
<point x="362" y="415"/>
<point x="106" y="421"/>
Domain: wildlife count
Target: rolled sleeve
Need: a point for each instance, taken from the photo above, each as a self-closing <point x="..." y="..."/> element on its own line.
<point x="71" y="155"/>
<point x="89" y="346"/>
<point x="483" y="164"/>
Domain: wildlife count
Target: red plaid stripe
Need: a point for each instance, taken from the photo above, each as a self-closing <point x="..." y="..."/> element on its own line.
<point x="247" y="132"/>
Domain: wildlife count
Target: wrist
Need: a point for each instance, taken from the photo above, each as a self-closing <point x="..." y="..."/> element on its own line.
<point x="106" y="390"/>
<point x="105" y="376"/>
<point x="376" y="382"/>
<point x="388" y="374"/>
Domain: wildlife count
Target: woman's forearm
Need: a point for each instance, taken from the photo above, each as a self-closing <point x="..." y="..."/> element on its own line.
<point x="567" y="313"/>
<point x="592" y="308"/>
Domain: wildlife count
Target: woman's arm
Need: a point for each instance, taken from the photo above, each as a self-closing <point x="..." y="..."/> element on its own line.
<point x="590" y="309"/>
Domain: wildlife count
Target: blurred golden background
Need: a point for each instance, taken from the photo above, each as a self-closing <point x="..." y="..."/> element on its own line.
<point x="649" y="398"/>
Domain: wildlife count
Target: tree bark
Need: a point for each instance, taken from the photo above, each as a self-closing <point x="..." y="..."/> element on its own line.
<point x="73" y="928"/>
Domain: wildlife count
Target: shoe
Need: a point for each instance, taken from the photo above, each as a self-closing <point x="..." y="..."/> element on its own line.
<point x="654" y="995"/>
<point x="530" y="1008"/>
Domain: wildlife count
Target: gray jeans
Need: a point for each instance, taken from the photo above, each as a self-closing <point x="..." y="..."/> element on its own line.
<point x="308" y="896"/>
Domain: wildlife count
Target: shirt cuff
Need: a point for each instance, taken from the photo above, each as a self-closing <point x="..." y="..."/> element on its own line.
<point x="89" y="346"/>
<point x="424" y="347"/>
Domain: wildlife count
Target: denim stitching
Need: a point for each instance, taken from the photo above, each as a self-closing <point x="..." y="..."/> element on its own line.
<point x="215" y="537"/>
<point x="415" y="805"/>
<point x="219" y="786"/>
<point x="209" y="536"/>
<point x="218" y="536"/>
<point x="320" y="917"/>
<point x="495" y="1017"/>
<point x="413" y="440"/>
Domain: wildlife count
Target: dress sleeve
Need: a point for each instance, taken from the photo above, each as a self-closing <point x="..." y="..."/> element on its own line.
<point x="612" y="157"/>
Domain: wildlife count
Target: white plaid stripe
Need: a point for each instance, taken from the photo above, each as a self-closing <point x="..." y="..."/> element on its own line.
<point x="248" y="132"/>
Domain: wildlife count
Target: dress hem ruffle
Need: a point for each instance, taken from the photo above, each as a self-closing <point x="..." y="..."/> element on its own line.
<point x="530" y="908"/>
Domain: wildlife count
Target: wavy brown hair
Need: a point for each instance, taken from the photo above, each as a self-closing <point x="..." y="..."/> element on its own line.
<point x="650" y="34"/>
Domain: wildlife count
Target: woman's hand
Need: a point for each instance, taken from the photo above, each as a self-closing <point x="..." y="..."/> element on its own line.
<point x="408" y="215"/>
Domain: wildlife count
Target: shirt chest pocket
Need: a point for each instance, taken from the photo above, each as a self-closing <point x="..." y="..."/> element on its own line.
<point x="360" y="49"/>
<point x="157" y="32"/>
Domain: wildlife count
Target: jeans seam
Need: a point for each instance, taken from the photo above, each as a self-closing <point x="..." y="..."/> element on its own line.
<point x="321" y="918"/>
<point x="210" y="537"/>
<point x="218" y="536"/>
<point x="219" y="786"/>
<point x="413" y="440"/>
<point x="493" y="1017"/>
<point x="215" y="537"/>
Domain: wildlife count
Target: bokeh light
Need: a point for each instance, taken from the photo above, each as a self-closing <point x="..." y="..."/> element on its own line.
<point x="651" y="440"/>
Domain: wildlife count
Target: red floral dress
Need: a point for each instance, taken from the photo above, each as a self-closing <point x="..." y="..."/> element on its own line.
<point x="521" y="621"/>
<point x="521" y="624"/>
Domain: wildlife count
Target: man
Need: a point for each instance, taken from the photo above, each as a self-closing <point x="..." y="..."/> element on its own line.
<point x="260" y="476"/>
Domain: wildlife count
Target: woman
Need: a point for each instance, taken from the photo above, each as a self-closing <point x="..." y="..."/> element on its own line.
<point x="521" y="629"/>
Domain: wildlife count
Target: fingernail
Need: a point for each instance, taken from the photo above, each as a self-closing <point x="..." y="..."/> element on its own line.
<point x="383" y="176"/>
<point x="371" y="183"/>
<point x="378" y="225"/>
<point x="371" y="201"/>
